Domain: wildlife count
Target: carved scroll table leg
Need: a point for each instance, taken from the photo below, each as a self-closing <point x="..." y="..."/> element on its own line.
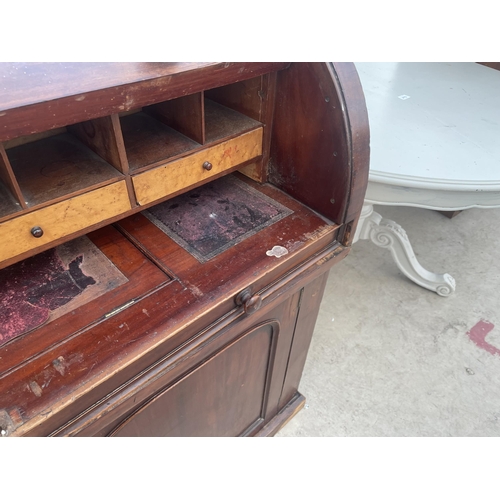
<point x="387" y="234"/>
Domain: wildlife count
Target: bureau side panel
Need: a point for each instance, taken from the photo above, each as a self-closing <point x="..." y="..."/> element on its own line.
<point x="308" y="314"/>
<point x="320" y="143"/>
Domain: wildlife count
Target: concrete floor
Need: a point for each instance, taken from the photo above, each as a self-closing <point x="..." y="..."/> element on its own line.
<point x="389" y="358"/>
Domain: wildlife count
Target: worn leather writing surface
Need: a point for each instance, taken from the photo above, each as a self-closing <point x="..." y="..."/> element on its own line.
<point x="212" y="218"/>
<point x="42" y="288"/>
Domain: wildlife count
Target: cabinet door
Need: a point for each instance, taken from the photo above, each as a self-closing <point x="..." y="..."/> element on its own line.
<point x="234" y="379"/>
<point x="225" y="396"/>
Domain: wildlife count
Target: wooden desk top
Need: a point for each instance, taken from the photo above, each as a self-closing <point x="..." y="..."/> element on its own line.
<point x="35" y="97"/>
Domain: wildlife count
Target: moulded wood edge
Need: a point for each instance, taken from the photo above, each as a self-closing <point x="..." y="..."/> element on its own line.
<point x="283" y="417"/>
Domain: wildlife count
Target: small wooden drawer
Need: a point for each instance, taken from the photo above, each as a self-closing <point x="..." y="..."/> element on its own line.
<point x="51" y="223"/>
<point x="192" y="170"/>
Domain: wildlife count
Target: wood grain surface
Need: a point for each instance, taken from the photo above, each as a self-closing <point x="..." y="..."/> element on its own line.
<point x="182" y="347"/>
<point x="62" y="219"/>
<point x="186" y="172"/>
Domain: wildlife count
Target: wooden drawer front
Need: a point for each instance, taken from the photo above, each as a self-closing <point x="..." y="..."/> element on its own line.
<point x="179" y="174"/>
<point x="62" y="219"/>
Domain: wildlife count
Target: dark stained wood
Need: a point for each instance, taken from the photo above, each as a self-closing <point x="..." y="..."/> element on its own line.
<point x="258" y="170"/>
<point x="449" y="214"/>
<point x="232" y="403"/>
<point x="278" y="300"/>
<point x="26" y="139"/>
<point x="32" y="83"/>
<point x="115" y="409"/>
<point x="103" y="136"/>
<point x="312" y="139"/>
<point x="283" y="417"/>
<point x="253" y="98"/>
<point x="309" y="142"/>
<point x="134" y="340"/>
<point x="309" y="309"/>
<point x="149" y="142"/>
<point x="56" y="167"/>
<point x="348" y="87"/>
<point x="10" y="183"/>
<point x="121" y="156"/>
<point x="8" y="204"/>
<point x="304" y="233"/>
<point x="288" y="313"/>
<point x="244" y="97"/>
<point x="493" y="65"/>
<point x="142" y="277"/>
<point x="137" y="330"/>
<point x="172" y="351"/>
<point x="42" y="96"/>
<point x="184" y="114"/>
<point x="222" y="122"/>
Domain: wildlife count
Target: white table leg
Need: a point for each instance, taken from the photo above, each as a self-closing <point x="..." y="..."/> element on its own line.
<point x="387" y="234"/>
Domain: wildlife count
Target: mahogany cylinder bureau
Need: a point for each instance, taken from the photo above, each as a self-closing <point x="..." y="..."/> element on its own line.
<point x="166" y="233"/>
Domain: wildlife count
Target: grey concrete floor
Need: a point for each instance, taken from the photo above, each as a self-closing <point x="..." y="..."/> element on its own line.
<point x="389" y="358"/>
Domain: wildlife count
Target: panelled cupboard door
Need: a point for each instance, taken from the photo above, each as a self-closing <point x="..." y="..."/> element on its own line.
<point x="225" y="396"/>
<point x="226" y="381"/>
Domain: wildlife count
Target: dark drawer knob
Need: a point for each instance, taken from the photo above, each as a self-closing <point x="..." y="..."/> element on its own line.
<point x="207" y="165"/>
<point x="37" y="231"/>
<point x="250" y="303"/>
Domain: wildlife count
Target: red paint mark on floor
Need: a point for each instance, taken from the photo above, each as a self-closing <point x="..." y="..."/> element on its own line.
<point x="478" y="335"/>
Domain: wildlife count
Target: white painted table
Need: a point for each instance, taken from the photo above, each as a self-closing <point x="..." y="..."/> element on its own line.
<point x="435" y="143"/>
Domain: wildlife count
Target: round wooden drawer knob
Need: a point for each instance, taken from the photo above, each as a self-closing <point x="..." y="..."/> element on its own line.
<point x="37" y="231"/>
<point x="207" y="165"/>
<point x="250" y="303"/>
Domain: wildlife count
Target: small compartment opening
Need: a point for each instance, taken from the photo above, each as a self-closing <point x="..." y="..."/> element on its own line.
<point x="233" y="109"/>
<point x="11" y="199"/>
<point x="8" y="203"/>
<point x="163" y="131"/>
<point x="56" y="164"/>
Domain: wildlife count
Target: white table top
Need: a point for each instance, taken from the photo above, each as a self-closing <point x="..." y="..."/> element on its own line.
<point x="445" y="135"/>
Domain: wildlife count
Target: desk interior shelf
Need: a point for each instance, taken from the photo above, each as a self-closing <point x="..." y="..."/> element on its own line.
<point x="167" y="230"/>
<point x="8" y="203"/>
<point x="51" y="169"/>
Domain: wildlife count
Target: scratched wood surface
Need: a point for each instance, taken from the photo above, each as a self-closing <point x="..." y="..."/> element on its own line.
<point x="62" y="219"/>
<point x="209" y="220"/>
<point x="9" y="180"/>
<point x="136" y="276"/>
<point x="222" y="122"/>
<point x="188" y="301"/>
<point x="329" y="100"/>
<point x="94" y="370"/>
<point x="246" y="97"/>
<point x="52" y="168"/>
<point x="149" y="141"/>
<point x="178" y="175"/>
<point x="75" y="141"/>
<point x="184" y="114"/>
<point x="104" y="137"/>
<point x="38" y="290"/>
<point x="8" y="204"/>
<point x="43" y="96"/>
